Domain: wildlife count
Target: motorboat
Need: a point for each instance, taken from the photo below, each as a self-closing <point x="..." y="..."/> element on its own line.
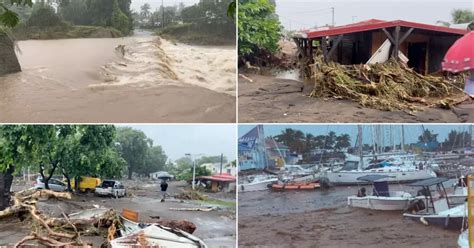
<point x="257" y="183"/>
<point x="459" y="194"/>
<point x="382" y="198"/>
<point x="437" y="209"/>
<point x="463" y="240"/>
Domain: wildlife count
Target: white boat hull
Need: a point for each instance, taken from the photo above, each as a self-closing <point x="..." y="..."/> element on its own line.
<point x="256" y="186"/>
<point x="397" y="200"/>
<point x="402" y="175"/>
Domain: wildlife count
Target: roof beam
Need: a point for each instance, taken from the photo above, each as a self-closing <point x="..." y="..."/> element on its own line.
<point x="334" y="45"/>
<point x="389" y="36"/>
<point x="405" y="35"/>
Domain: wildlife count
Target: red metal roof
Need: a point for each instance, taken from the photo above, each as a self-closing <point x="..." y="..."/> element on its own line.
<point x="373" y="24"/>
<point x="220" y="178"/>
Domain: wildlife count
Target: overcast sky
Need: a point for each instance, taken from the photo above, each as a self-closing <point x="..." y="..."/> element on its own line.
<point x="157" y="3"/>
<point x="177" y="140"/>
<point x="300" y="14"/>
<point x="411" y="131"/>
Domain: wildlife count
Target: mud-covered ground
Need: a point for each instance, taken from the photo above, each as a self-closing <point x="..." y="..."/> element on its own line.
<point x="322" y="219"/>
<point x="272" y="99"/>
<point x="216" y="228"/>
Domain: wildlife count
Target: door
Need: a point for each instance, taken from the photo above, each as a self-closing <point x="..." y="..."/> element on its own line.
<point x="417" y="56"/>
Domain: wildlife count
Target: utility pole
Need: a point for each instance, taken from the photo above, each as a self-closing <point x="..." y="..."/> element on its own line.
<point x="222" y="159"/>
<point x="333" y="23"/>
<point x="163" y="26"/>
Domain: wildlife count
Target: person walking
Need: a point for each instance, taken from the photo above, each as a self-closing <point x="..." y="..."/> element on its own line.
<point x="164" y="187"/>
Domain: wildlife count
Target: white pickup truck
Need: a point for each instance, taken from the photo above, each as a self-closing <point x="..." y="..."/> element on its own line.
<point x="110" y="188"/>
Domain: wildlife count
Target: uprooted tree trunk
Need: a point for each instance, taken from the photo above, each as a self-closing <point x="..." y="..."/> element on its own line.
<point x="8" y="59"/>
<point x="6" y="180"/>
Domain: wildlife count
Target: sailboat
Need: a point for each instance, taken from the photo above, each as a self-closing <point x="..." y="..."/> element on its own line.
<point x="352" y="170"/>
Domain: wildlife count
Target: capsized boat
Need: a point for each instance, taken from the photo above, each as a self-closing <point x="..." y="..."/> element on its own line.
<point x="382" y="198"/>
<point x="437" y="210"/>
<point x="295" y="186"/>
<point x="154" y="235"/>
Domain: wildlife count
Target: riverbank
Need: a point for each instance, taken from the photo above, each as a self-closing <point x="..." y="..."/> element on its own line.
<point x="187" y="34"/>
<point x="65" y="31"/>
<point x="133" y="79"/>
<point x="271" y="99"/>
<point x="322" y="219"/>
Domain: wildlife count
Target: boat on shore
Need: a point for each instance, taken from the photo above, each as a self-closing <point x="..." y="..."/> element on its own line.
<point x="382" y="198"/>
<point x="257" y="183"/>
<point x="437" y="210"/>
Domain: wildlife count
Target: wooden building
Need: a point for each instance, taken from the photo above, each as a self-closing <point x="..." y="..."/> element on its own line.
<point x="424" y="45"/>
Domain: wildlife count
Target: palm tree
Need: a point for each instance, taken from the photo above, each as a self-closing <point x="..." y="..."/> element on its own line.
<point x="462" y="16"/>
<point x="343" y="141"/>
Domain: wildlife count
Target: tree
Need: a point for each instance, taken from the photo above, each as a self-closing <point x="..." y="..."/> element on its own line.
<point x="44" y="16"/>
<point x="119" y="20"/>
<point x="155" y="161"/>
<point x="132" y="145"/>
<point x="462" y="16"/>
<point x="145" y="10"/>
<point x="259" y="28"/>
<point x="183" y="169"/>
<point x="9" y="19"/>
<point x="342" y="141"/>
<point x="428" y="136"/>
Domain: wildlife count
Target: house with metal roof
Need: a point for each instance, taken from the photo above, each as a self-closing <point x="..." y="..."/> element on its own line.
<point x="423" y="46"/>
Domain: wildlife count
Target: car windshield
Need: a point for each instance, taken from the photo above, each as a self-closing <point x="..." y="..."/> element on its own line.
<point x="107" y="184"/>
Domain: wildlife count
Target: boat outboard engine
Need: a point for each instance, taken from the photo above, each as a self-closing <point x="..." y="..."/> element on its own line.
<point x="416" y="205"/>
<point x="361" y="192"/>
<point x="324" y="183"/>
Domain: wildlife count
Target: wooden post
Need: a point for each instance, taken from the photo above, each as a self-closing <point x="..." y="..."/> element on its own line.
<point x="334" y="45"/>
<point x="397" y="42"/>
<point x="324" y="47"/>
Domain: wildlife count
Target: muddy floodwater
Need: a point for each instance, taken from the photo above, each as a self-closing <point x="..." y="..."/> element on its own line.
<point x="134" y="79"/>
<point x="321" y="218"/>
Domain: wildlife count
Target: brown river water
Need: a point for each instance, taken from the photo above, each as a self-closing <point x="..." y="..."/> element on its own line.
<point x="132" y="79"/>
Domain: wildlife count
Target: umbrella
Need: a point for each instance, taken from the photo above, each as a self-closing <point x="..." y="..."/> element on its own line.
<point x="460" y="56"/>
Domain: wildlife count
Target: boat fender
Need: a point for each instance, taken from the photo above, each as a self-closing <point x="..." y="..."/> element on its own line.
<point x="446" y="221"/>
<point x="422" y="220"/>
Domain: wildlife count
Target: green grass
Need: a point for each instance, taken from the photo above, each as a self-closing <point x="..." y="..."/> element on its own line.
<point x="212" y="201"/>
<point x="186" y="33"/>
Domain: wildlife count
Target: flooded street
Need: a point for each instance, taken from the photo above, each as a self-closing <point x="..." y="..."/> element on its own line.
<point x="133" y="79"/>
<point x="216" y="228"/>
<point x="322" y="218"/>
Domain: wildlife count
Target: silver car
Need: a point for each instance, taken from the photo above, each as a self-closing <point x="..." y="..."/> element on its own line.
<point x="110" y="188"/>
<point x="54" y="184"/>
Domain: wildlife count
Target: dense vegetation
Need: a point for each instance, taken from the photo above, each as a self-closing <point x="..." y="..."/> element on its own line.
<point x="207" y="22"/>
<point x="259" y="29"/>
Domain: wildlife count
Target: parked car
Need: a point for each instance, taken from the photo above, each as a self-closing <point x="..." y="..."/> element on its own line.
<point x="53" y="183"/>
<point x="110" y="188"/>
<point x="87" y="184"/>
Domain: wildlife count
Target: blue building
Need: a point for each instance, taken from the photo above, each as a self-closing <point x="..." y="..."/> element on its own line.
<point x="252" y="154"/>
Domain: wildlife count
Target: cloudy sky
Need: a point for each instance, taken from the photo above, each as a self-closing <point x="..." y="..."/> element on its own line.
<point x="177" y="140"/>
<point x="412" y="131"/>
<point x="299" y="14"/>
<point x="157" y="3"/>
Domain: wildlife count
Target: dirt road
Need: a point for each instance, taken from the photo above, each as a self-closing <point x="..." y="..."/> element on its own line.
<point x="270" y="99"/>
<point x="215" y="228"/>
<point x="322" y="219"/>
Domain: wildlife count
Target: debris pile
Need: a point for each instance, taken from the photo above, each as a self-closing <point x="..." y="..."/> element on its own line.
<point x="191" y="195"/>
<point x="388" y="86"/>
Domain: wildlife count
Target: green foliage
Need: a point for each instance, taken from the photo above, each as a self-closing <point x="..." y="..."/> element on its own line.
<point x="183" y="170"/>
<point x="119" y="19"/>
<point x="428" y="136"/>
<point x="8" y="17"/>
<point x="462" y="16"/>
<point x="231" y="10"/>
<point x="133" y="146"/>
<point x="155" y="161"/>
<point x="259" y="28"/>
<point x="211" y="159"/>
<point x="44" y="16"/>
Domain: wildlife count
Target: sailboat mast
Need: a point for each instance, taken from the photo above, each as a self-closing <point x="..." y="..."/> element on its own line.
<point x="402" y="143"/>
<point x="361" y="152"/>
